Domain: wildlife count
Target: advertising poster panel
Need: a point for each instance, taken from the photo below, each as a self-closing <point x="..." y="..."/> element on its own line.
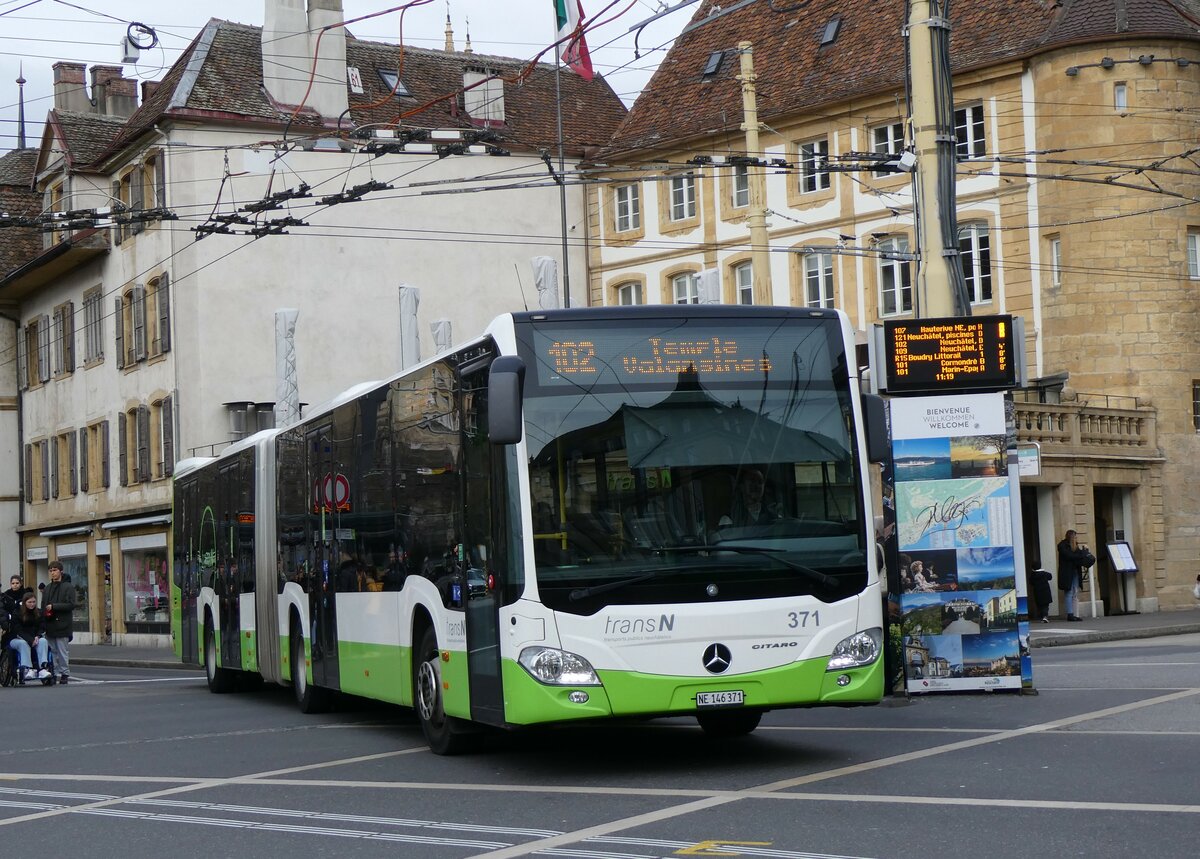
<point x="961" y="601"/>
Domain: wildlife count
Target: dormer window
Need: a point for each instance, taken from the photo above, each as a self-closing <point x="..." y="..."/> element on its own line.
<point x="483" y="98"/>
<point x="392" y="81"/>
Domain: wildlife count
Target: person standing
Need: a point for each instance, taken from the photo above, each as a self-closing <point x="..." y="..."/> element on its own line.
<point x="1041" y="590"/>
<point x="10" y="600"/>
<point x="58" y="604"/>
<point x="1073" y="562"/>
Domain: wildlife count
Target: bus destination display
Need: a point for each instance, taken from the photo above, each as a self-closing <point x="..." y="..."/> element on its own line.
<point x="954" y="354"/>
<point x="658" y="354"/>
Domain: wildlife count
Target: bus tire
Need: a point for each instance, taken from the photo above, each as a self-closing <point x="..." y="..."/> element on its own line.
<point x="729" y="723"/>
<point x="220" y="680"/>
<point x="446" y="735"/>
<point x="309" y="698"/>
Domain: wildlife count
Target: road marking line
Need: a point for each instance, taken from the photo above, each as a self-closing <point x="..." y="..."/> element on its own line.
<point x="681" y="810"/>
<point x="998" y="737"/>
<point x="208" y="783"/>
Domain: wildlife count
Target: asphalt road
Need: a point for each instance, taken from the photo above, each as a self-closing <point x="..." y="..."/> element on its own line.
<point x="1104" y="762"/>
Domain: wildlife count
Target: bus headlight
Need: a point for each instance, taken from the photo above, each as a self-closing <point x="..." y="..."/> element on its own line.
<point x="558" y="667"/>
<point x="858" y="650"/>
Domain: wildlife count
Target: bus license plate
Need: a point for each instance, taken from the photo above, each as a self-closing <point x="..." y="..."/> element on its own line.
<point x="733" y="698"/>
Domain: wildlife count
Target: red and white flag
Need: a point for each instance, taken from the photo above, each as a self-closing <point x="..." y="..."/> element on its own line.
<point x="574" y="51"/>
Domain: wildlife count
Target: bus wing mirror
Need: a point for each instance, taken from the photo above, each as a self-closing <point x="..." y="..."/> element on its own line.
<point x="506" y="381"/>
<point x="875" y="426"/>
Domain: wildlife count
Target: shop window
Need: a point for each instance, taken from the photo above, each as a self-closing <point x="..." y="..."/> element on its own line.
<point x="147" y="603"/>
<point x="75" y="570"/>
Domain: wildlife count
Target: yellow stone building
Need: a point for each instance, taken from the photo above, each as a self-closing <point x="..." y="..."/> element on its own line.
<point x="1077" y="210"/>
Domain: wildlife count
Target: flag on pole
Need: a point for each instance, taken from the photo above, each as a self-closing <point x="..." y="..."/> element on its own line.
<point x="575" y="51"/>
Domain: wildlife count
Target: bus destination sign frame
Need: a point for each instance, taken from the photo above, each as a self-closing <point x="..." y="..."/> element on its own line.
<point x="951" y="354"/>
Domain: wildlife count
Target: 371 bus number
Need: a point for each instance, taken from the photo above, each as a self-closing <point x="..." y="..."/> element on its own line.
<point x="797" y="619"/>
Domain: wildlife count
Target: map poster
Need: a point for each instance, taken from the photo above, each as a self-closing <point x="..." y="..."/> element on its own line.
<point x="960" y="602"/>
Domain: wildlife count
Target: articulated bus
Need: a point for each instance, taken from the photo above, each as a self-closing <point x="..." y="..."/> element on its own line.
<point x="583" y="514"/>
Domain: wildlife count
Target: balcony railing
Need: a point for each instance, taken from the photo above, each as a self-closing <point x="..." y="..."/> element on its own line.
<point x="1077" y="429"/>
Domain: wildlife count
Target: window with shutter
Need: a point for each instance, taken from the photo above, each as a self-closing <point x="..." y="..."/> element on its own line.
<point x="68" y="346"/>
<point x="44" y="445"/>
<point x="43" y="342"/>
<point x="22" y="363"/>
<point x="144" y="474"/>
<point x="104" y="448"/>
<point x="164" y="313"/>
<point x="116" y="199"/>
<point x="168" y="436"/>
<point x="122" y="449"/>
<point x="28" y="487"/>
<point x="139" y="323"/>
<point x="84" y="437"/>
<point x="73" y="452"/>
<point x="137" y="198"/>
<point x="54" y="481"/>
<point x="119" y="325"/>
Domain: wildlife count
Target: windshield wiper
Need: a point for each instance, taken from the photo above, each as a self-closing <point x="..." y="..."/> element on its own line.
<point x="826" y="581"/>
<point x="584" y="593"/>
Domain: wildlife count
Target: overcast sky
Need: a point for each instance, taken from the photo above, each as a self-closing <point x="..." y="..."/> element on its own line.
<point x="34" y="34"/>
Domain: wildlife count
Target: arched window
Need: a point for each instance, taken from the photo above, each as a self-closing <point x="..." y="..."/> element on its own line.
<point x="743" y="279"/>
<point x="818" y="280"/>
<point x="685" y="289"/>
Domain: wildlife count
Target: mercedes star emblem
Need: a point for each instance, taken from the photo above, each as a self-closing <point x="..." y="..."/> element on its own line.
<point x="717" y="658"/>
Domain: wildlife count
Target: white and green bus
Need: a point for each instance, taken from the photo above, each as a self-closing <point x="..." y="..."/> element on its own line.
<point x="583" y="514"/>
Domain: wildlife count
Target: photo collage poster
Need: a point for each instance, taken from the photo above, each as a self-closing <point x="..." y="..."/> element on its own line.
<point x="961" y="605"/>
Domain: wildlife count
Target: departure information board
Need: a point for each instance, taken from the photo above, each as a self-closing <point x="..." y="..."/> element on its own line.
<point x="969" y="353"/>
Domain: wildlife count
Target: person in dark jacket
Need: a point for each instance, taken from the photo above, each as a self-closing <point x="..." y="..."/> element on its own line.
<point x="10" y="600"/>
<point x="1073" y="562"/>
<point x="58" y="604"/>
<point x="29" y="638"/>
<point x="1041" y="591"/>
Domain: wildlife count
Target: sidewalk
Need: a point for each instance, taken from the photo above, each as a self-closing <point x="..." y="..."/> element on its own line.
<point x="1055" y="634"/>
<point x="127" y="657"/>
<point x="1060" y="632"/>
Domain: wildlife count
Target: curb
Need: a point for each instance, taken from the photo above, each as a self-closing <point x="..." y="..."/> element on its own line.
<point x="135" y="663"/>
<point x="1092" y="636"/>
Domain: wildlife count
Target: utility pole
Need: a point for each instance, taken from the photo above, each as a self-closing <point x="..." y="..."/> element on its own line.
<point x="756" y="176"/>
<point x="940" y="289"/>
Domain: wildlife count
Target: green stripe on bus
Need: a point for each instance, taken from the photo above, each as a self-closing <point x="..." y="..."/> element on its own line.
<point x="629" y="693"/>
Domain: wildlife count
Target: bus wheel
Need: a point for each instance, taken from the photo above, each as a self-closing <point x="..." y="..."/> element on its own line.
<point x="445" y="735"/>
<point x="309" y="698"/>
<point x="729" y="723"/>
<point x="220" y="680"/>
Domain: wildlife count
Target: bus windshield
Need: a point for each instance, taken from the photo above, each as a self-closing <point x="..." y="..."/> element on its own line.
<point x="692" y="460"/>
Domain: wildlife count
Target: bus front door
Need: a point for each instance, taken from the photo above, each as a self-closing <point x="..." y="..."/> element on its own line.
<point x="484" y="524"/>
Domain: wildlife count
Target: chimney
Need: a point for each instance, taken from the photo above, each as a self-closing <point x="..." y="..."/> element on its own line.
<point x="112" y="93"/>
<point x="289" y="31"/>
<point x="148" y="88"/>
<point x="69" y="90"/>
